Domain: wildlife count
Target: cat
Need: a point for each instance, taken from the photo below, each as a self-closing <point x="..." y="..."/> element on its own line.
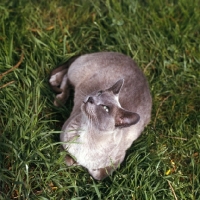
<point x="112" y="105"/>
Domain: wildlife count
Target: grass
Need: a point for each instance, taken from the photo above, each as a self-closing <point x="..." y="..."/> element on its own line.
<point x="164" y="39"/>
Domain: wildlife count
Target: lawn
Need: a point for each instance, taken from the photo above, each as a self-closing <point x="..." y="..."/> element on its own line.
<point x="163" y="37"/>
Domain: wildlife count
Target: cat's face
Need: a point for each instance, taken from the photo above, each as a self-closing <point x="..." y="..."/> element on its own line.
<point x="103" y="110"/>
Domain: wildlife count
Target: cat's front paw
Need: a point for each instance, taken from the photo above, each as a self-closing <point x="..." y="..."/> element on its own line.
<point x="101" y="173"/>
<point x="70" y="161"/>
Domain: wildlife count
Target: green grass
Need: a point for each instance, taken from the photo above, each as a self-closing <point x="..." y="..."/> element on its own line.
<point x="164" y="39"/>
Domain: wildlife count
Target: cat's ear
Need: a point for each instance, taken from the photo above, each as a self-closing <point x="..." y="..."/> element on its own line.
<point x="117" y="86"/>
<point x="125" y="118"/>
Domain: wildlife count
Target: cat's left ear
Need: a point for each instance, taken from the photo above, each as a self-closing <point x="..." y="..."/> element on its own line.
<point x="125" y="118"/>
<point x="117" y="86"/>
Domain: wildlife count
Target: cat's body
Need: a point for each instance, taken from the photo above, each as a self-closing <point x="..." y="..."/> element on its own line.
<point x="112" y="105"/>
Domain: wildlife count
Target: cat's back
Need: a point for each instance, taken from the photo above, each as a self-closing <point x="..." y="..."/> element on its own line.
<point x="102" y="65"/>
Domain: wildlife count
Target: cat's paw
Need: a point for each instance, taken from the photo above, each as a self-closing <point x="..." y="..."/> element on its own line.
<point x="70" y="161"/>
<point x="54" y="81"/>
<point x="61" y="99"/>
<point x="101" y="173"/>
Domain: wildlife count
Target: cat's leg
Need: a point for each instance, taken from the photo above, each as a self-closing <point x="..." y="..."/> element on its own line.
<point x="59" y="83"/>
<point x="64" y="92"/>
<point x="57" y="77"/>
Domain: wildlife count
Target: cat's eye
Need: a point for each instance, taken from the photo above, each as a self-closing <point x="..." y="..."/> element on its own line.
<point x="105" y="108"/>
<point x="99" y="93"/>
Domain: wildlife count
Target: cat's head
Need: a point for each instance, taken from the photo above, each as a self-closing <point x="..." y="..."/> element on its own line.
<point x="103" y="110"/>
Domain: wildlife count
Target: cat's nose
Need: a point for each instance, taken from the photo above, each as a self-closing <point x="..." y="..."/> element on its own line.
<point x="90" y="100"/>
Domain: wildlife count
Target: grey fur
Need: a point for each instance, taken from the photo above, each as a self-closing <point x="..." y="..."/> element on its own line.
<point x="112" y="105"/>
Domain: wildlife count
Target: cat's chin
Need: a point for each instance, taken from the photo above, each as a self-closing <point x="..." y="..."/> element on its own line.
<point x="88" y="110"/>
<point x="88" y="118"/>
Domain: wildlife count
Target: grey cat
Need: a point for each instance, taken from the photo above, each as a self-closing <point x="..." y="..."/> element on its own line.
<point x="112" y="105"/>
